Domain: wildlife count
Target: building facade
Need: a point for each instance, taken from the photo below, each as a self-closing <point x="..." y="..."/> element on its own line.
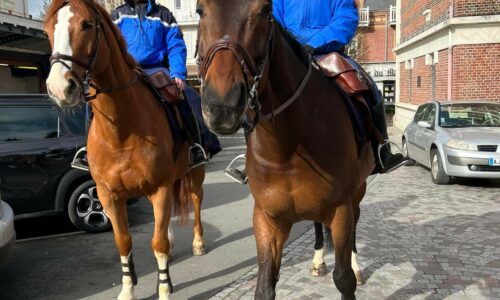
<point x="373" y="44"/>
<point x="446" y="50"/>
<point x="24" y="50"/>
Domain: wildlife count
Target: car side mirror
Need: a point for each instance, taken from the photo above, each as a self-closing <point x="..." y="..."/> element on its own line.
<point x="424" y="124"/>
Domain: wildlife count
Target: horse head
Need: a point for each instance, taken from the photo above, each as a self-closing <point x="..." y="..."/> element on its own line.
<point x="233" y="49"/>
<point x="79" y="47"/>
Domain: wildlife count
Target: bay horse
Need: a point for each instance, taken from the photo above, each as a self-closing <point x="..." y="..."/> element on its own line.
<point x="303" y="161"/>
<point x="130" y="145"/>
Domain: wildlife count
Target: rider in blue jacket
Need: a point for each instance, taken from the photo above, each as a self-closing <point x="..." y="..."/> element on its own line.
<point x="322" y="27"/>
<point x="156" y="42"/>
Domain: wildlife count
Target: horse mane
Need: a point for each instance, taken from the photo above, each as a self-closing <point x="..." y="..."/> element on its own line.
<point x="296" y="47"/>
<point x="106" y="19"/>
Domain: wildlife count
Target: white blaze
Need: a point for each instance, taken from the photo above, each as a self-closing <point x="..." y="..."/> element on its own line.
<point x="56" y="83"/>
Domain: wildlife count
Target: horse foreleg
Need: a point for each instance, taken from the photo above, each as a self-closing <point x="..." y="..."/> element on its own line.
<point x="318" y="267"/>
<point x="162" y="207"/>
<point x="116" y="210"/>
<point x="270" y="236"/>
<point x="197" y="177"/>
<point x="342" y="231"/>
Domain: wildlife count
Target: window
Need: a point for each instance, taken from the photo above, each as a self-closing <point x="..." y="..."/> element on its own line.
<point x="419" y="115"/>
<point x="7" y="4"/>
<point x="178" y="4"/>
<point x="24" y="124"/>
<point x="74" y="118"/>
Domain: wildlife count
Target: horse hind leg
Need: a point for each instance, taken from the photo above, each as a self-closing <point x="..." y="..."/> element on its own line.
<point x="342" y="231"/>
<point x="270" y="236"/>
<point x="162" y="207"/>
<point x="356" y="212"/>
<point x="116" y="210"/>
<point x="318" y="267"/>
<point x="197" y="177"/>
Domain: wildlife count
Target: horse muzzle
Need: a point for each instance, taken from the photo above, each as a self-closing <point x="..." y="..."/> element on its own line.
<point x="224" y="114"/>
<point x="64" y="88"/>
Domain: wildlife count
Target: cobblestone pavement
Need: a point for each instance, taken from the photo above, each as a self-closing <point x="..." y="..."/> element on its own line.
<point x="416" y="240"/>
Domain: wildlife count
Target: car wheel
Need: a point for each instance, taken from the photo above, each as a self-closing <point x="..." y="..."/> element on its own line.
<point x="437" y="171"/>
<point x="85" y="210"/>
<point x="404" y="147"/>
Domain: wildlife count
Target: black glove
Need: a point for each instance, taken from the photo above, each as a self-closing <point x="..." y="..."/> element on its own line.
<point x="309" y="49"/>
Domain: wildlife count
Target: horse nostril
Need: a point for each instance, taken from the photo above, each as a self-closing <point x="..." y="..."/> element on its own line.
<point x="72" y="86"/>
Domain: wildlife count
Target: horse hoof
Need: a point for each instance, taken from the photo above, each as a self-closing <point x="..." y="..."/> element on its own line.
<point x="319" y="271"/>
<point x="199" y="251"/>
<point x="359" y="278"/>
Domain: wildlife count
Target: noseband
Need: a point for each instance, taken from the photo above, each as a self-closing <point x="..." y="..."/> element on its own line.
<point x="89" y="66"/>
<point x="249" y="69"/>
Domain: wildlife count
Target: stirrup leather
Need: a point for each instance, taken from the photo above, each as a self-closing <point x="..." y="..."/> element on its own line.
<point x="379" y="150"/>
<point x="81" y="155"/>
<point x="228" y="171"/>
<point x="193" y="164"/>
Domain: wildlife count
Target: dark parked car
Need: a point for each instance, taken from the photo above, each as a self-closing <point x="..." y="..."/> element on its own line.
<point x="38" y="141"/>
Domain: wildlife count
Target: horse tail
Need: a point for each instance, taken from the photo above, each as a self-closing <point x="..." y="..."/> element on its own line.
<point x="182" y="203"/>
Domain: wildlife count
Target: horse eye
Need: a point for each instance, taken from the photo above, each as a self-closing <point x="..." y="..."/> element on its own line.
<point x="199" y="11"/>
<point x="87" y="25"/>
<point x="265" y="11"/>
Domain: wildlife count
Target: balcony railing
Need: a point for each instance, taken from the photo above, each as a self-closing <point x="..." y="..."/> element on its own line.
<point x="364" y="16"/>
<point x="185" y="16"/>
<point x="392" y="15"/>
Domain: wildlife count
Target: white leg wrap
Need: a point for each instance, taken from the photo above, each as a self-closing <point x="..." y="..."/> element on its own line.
<point x="163" y="289"/>
<point x="127" y="292"/>
<point x="354" y="262"/>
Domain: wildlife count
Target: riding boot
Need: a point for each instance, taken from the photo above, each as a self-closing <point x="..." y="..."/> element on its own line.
<point x="234" y="173"/>
<point x="192" y="134"/>
<point x="388" y="161"/>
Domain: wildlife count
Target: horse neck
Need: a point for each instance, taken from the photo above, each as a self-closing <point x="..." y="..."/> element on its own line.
<point x="120" y="111"/>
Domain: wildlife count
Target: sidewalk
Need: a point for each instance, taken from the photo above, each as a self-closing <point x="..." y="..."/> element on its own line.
<point x="416" y="240"/>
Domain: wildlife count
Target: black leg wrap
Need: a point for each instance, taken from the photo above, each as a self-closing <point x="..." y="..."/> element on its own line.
<point x="131" y="270"/>
<point x="318" y="231"/>
<point x="163" y="281"/>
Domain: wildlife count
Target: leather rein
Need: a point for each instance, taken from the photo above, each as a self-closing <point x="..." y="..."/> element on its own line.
<point x="89" y="66"/>
<point x="252" y="71"/>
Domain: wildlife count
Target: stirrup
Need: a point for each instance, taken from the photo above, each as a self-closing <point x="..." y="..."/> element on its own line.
<point x="402" y="163"/>
<point x="81" y="155"/>
<point x="230" y="171"/>
<point x="193" y="164"/>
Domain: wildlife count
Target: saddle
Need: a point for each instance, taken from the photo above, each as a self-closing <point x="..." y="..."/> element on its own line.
<point x="166" y="87"/>
<point x="355" y="86"/>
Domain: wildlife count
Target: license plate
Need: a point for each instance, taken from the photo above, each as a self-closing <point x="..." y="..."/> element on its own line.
<point x="494" y="161"/>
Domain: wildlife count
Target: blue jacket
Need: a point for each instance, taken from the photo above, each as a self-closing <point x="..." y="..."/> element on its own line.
<point x="153" y="36"/>
<point x="325" y="25"/>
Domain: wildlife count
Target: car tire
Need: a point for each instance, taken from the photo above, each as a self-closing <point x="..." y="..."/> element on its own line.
<point x="85" y="210"/>
<point x="404" y="148"/>
<point x="437" y="171"/>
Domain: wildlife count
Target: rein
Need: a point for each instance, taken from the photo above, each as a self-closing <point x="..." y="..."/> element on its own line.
<point x="248" y="68"/>
<point x="89" y="66"/>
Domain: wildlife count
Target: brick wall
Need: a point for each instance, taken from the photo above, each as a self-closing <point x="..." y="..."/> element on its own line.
<point x="476" y="7"/>
<point x="376" y="40"/>
<point x="476" y="72"/>
<point x="441" y="91"/>
<point x="414" y="21"/>
<point x="404" y="93"/>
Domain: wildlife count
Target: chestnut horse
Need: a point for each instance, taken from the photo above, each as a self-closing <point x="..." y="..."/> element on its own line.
<point x="303" y="161"/>
<point x="130" y="145"/>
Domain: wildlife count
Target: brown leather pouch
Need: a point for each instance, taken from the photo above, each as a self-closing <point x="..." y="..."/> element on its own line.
<point x="167" y="87"/>
<point x="337" y="67"/>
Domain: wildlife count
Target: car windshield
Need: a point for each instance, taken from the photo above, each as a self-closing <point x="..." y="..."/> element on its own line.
<point x="470" y="115"/>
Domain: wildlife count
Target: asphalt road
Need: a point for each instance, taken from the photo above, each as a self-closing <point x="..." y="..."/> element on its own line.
<point x="57" y="262"/>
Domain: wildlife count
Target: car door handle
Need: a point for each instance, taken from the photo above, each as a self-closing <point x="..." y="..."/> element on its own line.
<point x="56" y="153"/>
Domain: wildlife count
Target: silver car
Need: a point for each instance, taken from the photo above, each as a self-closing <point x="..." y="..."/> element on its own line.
<point x="455" y="139"/>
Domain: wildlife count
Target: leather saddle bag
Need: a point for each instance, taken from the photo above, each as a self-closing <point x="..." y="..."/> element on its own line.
<point x="348" y="78"/>
<point x="166" y="87"/>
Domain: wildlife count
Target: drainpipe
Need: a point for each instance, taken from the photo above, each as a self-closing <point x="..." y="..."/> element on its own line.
<point x="450" y="54"/>
<point x="386" y="35"/>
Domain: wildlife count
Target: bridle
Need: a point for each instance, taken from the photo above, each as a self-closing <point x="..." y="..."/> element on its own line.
<point x="89" y="65"/>
<point x="252" y="73"/>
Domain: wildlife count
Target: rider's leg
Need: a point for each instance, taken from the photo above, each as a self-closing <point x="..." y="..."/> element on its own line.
<point x="236" y="174"/>
<point x="80" y="161"/>
<point x="192" y="132"/>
